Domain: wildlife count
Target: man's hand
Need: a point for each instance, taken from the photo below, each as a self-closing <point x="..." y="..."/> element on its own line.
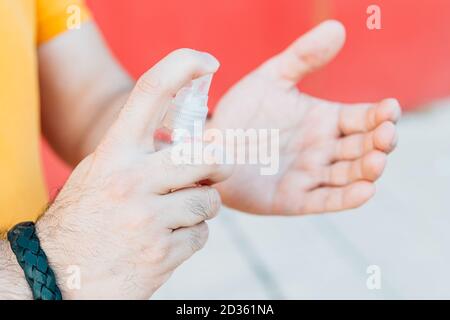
<point x="331" y="153"/>
<point x="116" y="218"/>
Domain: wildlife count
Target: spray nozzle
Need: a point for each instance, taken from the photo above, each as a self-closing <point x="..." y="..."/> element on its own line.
<point x="195" y="94"/>
<point x="189" y="108"/>
<point x="202" y="84"/>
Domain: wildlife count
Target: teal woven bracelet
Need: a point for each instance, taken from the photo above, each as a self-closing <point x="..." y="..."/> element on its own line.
<point x="27" y="248"/>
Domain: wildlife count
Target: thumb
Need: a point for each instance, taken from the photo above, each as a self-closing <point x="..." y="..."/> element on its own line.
<point x="308" y="53"/>
<point x="153" y="93"/>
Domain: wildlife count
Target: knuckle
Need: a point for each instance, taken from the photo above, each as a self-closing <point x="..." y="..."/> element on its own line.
<point x="213" y="200"/>
<point x="197" y="206"/>
<point x="214" y="168"/>
<point x="149" y="83"/>
<point x="159" y="252"/>
<point x="198" y="237"/>
<point x="205" y="203"/>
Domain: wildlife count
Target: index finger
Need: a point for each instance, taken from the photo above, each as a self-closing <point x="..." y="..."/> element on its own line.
<point x="155" y="89"/>
<point x="172" y="172"/>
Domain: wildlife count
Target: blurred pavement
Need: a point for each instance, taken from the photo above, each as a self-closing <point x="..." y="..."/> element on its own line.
<point x="405" y="230"/>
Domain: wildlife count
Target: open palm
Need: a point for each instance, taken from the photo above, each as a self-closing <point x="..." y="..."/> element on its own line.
<point x="330" y="153"/>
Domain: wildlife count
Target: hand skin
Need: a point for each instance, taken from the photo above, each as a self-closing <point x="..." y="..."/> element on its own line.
<point x="330" y="153"/>
<point x="117" y="218"/>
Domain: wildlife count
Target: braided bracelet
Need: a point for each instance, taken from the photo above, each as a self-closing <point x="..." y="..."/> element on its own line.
<point x="27" y="248"/>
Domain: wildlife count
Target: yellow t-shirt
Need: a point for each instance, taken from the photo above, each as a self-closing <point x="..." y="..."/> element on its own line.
<point x="24" y="24"/>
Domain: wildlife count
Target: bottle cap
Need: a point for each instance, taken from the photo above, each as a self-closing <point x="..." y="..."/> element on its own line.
<point x="195" y="94"/>
<point x="190" y="105"/>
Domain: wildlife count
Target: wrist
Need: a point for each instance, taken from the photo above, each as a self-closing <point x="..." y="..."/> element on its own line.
<point x="13" y="284"/>
<point x="55" y="245"/>
<point x="58" y="231"/>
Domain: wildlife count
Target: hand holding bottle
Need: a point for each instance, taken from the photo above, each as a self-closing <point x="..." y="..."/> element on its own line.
<point x="116" y="218"/>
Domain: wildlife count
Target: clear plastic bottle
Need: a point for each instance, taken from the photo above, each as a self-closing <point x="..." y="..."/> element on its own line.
<point x="189" y="109"/>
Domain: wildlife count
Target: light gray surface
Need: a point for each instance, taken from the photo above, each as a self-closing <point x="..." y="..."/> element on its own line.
<point x="404" y="230"/>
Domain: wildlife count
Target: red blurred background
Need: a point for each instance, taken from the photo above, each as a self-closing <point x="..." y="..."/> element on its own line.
<point x="409" y="58"/>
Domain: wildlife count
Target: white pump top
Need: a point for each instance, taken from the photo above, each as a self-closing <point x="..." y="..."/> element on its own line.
<point x="189" y="107"/>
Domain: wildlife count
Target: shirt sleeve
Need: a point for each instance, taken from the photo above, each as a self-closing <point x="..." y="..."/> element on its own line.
<point x="57" y="16"/>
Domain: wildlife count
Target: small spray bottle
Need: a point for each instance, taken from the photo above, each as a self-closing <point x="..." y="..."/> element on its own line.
<point x="189" y="109"/>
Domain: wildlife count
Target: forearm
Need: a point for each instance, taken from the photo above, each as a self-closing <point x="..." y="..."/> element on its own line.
<point x="82" y="88"/>
<point x="106" y="112"/>
<point x="13" y="285"/>
<point x="76" y="126"/>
